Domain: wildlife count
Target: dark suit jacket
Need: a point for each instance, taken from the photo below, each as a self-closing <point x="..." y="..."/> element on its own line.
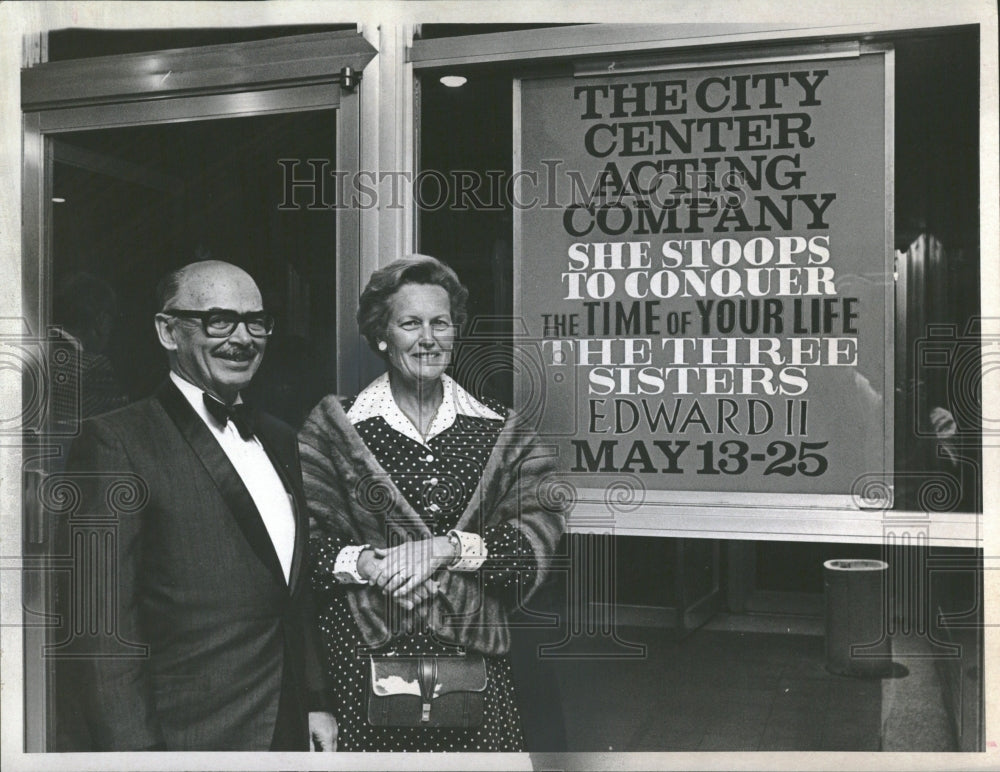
<point x="197" y="583"/>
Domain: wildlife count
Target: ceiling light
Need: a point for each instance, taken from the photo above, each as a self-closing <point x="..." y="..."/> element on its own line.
<point x="453" y="81"/>
<point x="58" y="200"/>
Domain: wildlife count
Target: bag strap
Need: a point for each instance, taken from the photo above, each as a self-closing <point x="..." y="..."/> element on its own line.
<point x="427" y="675"/>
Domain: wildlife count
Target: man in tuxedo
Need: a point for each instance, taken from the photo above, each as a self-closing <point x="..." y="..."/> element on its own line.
<point x="209" y="589"/>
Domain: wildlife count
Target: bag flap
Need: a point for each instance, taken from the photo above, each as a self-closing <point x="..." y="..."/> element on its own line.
<point x="400" y="675"/>
<point x="394" y="675"/>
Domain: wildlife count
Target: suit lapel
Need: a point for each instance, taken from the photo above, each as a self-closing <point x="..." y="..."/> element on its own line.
<point x="283" y="462"/>
<point x="222" y="472"/>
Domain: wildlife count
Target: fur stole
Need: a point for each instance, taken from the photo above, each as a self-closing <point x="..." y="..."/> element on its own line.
<point x="352" y="497"/>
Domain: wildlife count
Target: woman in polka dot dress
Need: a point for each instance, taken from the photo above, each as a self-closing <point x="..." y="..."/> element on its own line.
<point x="433" y="513"/>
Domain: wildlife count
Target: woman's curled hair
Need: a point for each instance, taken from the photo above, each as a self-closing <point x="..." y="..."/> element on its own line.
<point x="373" y="308"/>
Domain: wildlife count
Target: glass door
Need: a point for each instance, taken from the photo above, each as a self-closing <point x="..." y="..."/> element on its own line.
<point x="229" y="154"/>
<point x="130" y="204"/>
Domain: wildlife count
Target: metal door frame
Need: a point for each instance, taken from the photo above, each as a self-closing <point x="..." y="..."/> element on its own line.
<point x="290" y="74"/>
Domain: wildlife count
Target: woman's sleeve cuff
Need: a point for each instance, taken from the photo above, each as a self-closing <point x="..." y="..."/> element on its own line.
<point x="345" y="567"/>
<point x="473" y="553"/>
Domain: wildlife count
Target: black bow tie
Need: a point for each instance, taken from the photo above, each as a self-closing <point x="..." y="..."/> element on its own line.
<point x="241" y="415"/>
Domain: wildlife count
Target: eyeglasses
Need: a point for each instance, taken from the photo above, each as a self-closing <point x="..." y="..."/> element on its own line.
<point x="222" y="324"/>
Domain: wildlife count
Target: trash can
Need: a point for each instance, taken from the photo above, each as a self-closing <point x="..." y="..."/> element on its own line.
<point x="857" y="641"/>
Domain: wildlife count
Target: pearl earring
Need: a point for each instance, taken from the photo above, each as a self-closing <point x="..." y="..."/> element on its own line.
<point x="382" y="345"/>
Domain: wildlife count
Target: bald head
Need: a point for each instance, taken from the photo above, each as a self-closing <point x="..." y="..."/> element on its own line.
<point x="220" y="366"/>
<point x="195" y="277"/>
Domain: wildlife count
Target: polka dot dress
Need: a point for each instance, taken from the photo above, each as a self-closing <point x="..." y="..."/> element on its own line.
<point x="437" y="479"/>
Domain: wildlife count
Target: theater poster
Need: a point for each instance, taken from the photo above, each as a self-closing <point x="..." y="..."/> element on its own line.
<point x="703" y="271"/>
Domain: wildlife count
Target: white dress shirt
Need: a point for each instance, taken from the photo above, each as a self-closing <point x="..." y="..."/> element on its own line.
<point x="257" y="473"/>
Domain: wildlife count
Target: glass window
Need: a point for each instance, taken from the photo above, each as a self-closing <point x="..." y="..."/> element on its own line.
<point x="130" y="204"/>
<point x="466" y="134"/>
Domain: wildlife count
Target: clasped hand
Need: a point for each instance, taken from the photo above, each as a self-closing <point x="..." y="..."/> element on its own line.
<point x="405" y="572"/>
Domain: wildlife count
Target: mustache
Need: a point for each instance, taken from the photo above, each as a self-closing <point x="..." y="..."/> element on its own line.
<point x="238" y="351"/>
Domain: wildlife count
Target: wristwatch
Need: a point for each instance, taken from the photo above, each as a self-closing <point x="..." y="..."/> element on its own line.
<point x="456" y="548"/>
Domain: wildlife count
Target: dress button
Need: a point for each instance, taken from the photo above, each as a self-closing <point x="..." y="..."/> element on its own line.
<point x="429" y="457"/>
<point x="433" y="481"/>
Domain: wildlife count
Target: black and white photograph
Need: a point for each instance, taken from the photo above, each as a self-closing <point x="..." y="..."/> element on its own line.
<point x="431" y="384"/>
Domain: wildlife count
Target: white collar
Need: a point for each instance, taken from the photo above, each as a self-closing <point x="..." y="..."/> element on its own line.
<point x="376" y="400"/>
<point x="195" y="396"/>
